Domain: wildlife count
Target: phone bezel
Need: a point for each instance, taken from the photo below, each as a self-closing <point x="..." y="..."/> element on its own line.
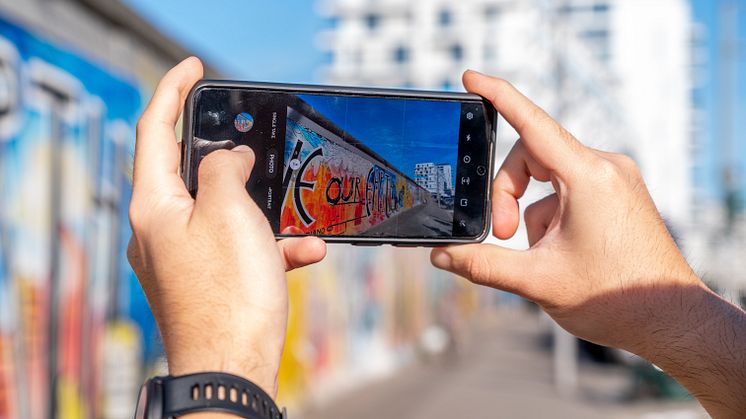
<point x="188" y="129"/>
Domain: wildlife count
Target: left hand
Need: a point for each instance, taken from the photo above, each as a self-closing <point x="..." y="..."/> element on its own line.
<point x="211" y="269"/>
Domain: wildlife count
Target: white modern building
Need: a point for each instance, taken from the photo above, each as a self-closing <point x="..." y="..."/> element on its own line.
<point x="616" y="73"/>
<point x="436" y="178"/>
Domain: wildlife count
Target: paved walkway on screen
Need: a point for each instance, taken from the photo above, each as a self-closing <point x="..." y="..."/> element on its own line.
<point x="423" y="221"/>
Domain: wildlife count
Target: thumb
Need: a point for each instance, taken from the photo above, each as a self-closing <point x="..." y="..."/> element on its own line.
<point x="223" y="175"/>
<point x="494" y="266"/>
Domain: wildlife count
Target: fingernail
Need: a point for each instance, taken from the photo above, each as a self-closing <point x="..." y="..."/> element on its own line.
<point x="474" y="71"/>
<point x="242" y="148"/>
<point x="441" y="259"/>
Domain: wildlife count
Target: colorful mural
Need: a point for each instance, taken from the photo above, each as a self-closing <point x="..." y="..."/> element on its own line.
<point x="360" y="315"/>
<point x="335" y="188"/>
<point x="76" y="334"/>
<point x="66" y="133"/>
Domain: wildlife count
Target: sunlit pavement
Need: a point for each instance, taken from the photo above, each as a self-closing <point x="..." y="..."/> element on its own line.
<point x="502" y="372"/>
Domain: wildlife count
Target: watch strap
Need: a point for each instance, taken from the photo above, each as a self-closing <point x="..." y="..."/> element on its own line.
<point x="221" y="392"/>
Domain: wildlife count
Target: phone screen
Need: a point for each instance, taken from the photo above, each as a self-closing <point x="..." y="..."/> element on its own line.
<point x="352" y="165"/>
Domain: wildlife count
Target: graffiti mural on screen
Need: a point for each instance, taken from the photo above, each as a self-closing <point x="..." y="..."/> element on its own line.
<point x="334" y="188"/>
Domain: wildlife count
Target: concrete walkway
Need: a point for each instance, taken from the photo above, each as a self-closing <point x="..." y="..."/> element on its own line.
<point x="502" y="372"/>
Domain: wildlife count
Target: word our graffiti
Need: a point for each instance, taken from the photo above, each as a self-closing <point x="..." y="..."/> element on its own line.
<point x="378" y="193"/>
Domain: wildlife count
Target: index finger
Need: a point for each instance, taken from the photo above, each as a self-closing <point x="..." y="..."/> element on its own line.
<point x="547" y="142"/>
<point x="156" y="150"/>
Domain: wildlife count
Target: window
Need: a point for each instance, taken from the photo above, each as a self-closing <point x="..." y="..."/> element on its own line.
<point x="457" y="52"/>
<point x="698" y="99"/>
<point x="332" y="21"/>
<point x="444" y="17"/>
<point x="600" y="34"/>
<point x="401" y="55"/>
<point x="329" y="57"/>
<point x="491" y="12"/>
<point x="598" y="41"/>
<point x="490" y="52"/>
<point x="600" y="7"/>
<point x="372" y="21"/>
<point x="604" y="53"/>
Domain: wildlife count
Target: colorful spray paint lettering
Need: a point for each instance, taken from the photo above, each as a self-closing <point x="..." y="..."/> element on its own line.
<point x="333" y="187"/>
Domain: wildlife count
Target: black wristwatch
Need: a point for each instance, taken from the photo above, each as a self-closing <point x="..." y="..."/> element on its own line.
<point x="171" y="397"/>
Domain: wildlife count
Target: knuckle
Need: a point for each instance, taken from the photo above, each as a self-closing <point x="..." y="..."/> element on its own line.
<point x="629" y="165"/>
<point x="232" y="210"/>
<point x="625" y="162"/>
<point x="478" y="268"/>
<point x="132" y="256"/>
<point x="136" y="216"/>
<point x="142" y="124"/>
<point x="575" y="146"/>
<point x="211" y="163"/>
<point x="606" y="172"/>
<point x="248" y="159"/>
<point x="501" y="84"/>
<point x="617" y="170"/>
<point x="537" y="115"/>
<point x="531" y="213"/>
<point x="566" y="135"/>
<point x="216" y="157"/>
<point x="498" y="87"/>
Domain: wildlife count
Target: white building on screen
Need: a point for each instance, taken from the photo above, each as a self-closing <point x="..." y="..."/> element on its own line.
<point x="436" y="178"/>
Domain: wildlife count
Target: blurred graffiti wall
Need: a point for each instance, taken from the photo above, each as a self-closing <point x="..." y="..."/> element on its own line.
<point x="76" y="335"/>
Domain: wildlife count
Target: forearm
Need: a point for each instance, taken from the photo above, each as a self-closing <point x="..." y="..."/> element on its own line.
<point x="700" y="340"/>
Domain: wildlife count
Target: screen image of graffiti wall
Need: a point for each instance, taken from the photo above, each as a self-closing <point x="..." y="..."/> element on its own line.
<point x="341" y="186"/>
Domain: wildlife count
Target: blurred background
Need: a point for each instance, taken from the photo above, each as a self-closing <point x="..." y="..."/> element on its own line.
<point x="373" y="332"/>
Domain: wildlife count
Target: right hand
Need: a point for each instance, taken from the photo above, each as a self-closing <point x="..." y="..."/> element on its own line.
<point x="600" y="255"/>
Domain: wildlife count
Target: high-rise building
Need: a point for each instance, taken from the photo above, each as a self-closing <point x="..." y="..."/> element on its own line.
<point x="436" y="178"/>
<point x="616" y="73"/>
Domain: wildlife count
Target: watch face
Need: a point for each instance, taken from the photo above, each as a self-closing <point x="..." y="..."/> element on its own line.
<point x="142" y="402"/>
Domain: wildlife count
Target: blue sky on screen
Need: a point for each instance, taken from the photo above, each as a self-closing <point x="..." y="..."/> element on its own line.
<point x="404" y="132"/>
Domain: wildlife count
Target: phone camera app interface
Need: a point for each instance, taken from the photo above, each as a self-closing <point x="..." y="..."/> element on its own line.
<point x="244" y="122"/>
<point x="357" y="166"/>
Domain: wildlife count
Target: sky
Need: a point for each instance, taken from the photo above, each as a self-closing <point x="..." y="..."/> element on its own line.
<point x="256" y="40"/>
<point x="404" y="132"/>
<point x="712" y="152"/>
<point x="264" y="40"/>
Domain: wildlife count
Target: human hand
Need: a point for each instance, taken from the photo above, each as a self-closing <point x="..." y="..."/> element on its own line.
<point x="211" y="269"/>
<point x="598" y="246"/>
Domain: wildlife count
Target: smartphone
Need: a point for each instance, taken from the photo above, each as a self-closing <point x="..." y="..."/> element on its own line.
<point x="353" y="165"/>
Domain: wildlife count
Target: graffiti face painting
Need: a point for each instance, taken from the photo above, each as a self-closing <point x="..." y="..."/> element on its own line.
<point x="334" y="188"/>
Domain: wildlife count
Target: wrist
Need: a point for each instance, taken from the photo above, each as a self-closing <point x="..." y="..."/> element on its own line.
<point x="251" y="353"/>
<point x="254" y="369"/>
<point x="675" y="316"/>
<point x="205" y="394"/>
<point x="700" y="344"/>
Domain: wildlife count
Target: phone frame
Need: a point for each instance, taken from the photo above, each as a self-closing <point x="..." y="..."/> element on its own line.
<point x="189" y="121"/>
